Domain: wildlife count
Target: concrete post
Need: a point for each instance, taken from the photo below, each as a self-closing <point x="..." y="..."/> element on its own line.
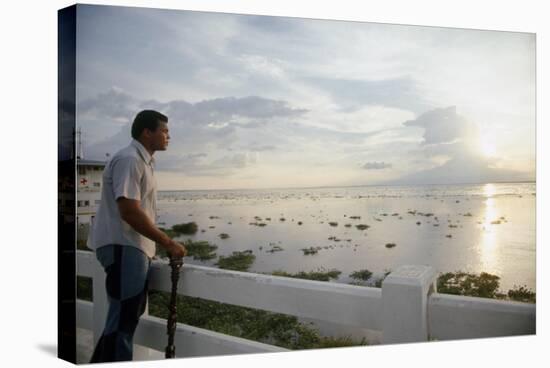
<point x="404" y="304"/>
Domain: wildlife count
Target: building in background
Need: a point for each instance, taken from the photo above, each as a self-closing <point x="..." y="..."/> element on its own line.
<point x="88" y="195"/>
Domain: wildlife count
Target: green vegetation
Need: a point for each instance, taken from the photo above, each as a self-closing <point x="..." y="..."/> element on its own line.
<point x="483" y="285"/>
<point x="462" y="283"/>
<point x="252" y="324"/>
<point x="310" y="250"/>
<point x="81" y="245"/>
<point x="336" y="342"/>
<point x="201" y="250"/>
<point x="522" y="294"/>
<point x="260" y="224"/>
<point x="189" y="228"/>
<point x="319" y="275"/>
<point x="84" y="289"/>
<point x="361" y="275"/>
<point x="237" y="261"/>
<point x="275" y="248"/>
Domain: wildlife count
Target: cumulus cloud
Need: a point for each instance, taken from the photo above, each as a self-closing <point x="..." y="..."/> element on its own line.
<point x="251" y="106"/>
<point x="224" y="110"/>
<point x="442" y="126"/>
<point x="114" y="105"/>
<point x="376" y="166"/>
<point x="199" y="131"/>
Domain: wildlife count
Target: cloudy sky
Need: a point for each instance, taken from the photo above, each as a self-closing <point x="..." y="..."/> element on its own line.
<point x="263" y="102"/>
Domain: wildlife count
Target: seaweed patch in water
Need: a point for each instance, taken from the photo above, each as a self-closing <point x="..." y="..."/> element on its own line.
<point x="319" y="275"/>
<point x="361" y="275"/>
<point x="237" y="261"/>
<point x="201" y="250"/>
<point x="275" y="248"/>
<point x="188" y="228"/>
<point x="310" y="250"/>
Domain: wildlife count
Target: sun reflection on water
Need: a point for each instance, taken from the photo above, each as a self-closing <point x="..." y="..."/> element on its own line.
<point x="488" y="236"/>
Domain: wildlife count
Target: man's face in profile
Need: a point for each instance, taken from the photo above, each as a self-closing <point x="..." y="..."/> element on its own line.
<point x="160" y="137"/>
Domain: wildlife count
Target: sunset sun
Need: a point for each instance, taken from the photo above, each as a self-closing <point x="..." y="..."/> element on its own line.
<point x="486" y="145"/>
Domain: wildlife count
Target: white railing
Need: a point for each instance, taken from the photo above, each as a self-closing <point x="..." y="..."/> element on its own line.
<point x="405" y="309"/>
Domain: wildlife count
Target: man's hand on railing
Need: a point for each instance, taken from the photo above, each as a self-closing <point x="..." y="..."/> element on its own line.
<point x="176" y="250"/>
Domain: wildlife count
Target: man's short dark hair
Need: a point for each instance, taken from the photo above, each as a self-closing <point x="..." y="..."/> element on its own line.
<point x="147" y="119"/>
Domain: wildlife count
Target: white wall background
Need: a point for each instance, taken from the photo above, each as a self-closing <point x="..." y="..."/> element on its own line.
<point x="29" y="125"/>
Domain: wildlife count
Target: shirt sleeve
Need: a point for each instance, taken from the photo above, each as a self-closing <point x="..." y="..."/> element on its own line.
<point x="127" y="175"/>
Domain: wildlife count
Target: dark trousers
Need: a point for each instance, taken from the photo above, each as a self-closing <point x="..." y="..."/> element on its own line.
<point x="127" y="269"/>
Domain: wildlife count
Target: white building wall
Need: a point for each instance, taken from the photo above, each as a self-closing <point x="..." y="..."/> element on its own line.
<point x="88" y="196"/>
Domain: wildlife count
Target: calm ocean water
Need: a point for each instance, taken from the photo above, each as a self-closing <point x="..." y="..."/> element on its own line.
<point x="474" y="228"/>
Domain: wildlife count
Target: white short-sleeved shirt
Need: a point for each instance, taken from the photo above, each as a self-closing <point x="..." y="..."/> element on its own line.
<point x="128" y="174"/>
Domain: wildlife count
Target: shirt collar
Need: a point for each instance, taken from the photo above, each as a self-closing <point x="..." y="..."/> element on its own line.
<point x="145" y="155"/>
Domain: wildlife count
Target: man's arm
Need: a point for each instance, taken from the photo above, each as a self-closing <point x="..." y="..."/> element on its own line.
<point x="131" y="213"/>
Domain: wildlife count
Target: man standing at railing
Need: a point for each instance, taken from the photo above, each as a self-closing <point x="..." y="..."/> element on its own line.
<point x="124" y="234"/>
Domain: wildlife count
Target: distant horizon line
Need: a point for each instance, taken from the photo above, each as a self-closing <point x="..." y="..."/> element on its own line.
<point x="350" y="186"/>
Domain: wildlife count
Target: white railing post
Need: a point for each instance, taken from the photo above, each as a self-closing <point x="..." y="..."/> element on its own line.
<point x="405" y="304"/>
<point x="101" y="303"/>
